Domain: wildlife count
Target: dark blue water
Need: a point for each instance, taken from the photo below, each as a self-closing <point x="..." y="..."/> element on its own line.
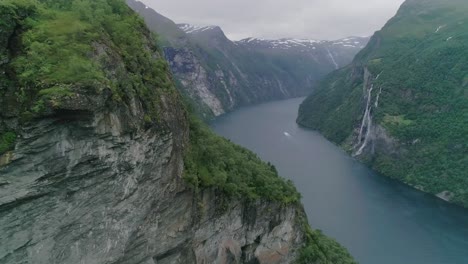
<point x="379" y="220"/>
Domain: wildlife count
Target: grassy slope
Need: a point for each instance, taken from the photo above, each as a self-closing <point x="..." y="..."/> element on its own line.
<point x="424" y="100"/>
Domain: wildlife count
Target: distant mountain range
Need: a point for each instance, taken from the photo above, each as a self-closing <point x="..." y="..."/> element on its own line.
<point x="340" y="52"/>
<point x="219" y="74"/>
<point x="305" y="44"/>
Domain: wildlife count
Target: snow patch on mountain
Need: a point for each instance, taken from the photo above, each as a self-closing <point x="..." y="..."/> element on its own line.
<point x="439" y="28"/>
<point x="284" y="43"/>
<point x="191" y="29"/>
<point x="305" y="44"/>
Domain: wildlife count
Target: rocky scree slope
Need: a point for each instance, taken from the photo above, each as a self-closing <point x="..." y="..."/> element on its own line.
<point x="100" y="164"/>
<point x="402" y="105"/>
<point x="220" y="74"/>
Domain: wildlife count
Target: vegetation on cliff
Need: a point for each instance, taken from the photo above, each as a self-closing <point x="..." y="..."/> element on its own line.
<point x="79" y="47"/>
<point x="6" y="141"/>
<point x="421" y="96"/>
<point x="214" y="162"/>
<point x="324" y="250"/>
<point x="59" y="51"/>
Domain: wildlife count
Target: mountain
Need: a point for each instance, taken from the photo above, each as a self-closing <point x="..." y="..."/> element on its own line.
<point x="220" y="74"/>
<point x="402" y="105"/>
<point x="100" y="162"/>
<point x="340" y="52"/>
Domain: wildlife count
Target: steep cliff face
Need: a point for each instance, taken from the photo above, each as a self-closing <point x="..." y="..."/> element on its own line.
<point x="86" y="186"/>
<point x="191" y="73"/>
<point x="82" y="189"/>
<point x="220" y="74"/>
<point x="401" y="105"/>
<point x="94" y="138"/>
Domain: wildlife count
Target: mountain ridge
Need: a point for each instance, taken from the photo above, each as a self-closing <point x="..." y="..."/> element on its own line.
<point x="350" y="41"/>
<point x="221" y="75"/>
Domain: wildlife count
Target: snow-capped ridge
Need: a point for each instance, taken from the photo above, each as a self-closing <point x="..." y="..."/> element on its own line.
<point x="284" y="43"/>
<point x="350" y="42"/>
<point x="191" y="29"/>
<point x="306" y="44"/>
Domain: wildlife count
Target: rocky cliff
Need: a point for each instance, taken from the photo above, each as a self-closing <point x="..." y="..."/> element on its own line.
<point x="401" y="105"/>
<point x="220" y="74"/>
<point x="93" y="142"/>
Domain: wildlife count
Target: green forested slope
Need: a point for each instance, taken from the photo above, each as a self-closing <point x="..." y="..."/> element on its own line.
<point x="417" y="74"/>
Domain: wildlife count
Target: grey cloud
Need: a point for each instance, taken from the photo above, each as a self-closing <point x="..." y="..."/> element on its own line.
<point x="313" y="19"/>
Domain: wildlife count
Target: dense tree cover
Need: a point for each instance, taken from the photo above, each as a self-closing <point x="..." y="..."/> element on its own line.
<point x="213" y="161"/>
<point x="324" y="250"/>
<point x="334" y="110"/>
<point x="421" y="56"/>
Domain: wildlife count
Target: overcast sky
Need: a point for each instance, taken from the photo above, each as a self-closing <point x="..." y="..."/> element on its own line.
<point x="311" y="19"/>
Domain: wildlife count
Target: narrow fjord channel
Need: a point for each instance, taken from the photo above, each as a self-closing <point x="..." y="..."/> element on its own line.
<point x="379" y="220"/>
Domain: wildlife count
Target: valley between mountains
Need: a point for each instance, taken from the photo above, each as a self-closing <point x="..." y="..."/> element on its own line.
<point x="106" y="157"/>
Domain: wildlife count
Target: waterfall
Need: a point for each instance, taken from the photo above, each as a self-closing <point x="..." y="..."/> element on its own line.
<point x="378" y="97"/>
<point x="366" y="139"/>
<point x="378" y="94"/>
<point x="378" y="75"/>
<point x="366" y="113"/>
<point x="366" y="124"/>
<point x="333" y="59"/>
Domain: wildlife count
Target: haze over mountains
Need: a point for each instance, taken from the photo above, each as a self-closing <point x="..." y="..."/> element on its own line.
<point x="220" y="74"/>
<point x="272" y="19"/>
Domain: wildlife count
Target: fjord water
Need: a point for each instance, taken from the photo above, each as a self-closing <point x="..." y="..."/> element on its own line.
<point x="380" y="221"/>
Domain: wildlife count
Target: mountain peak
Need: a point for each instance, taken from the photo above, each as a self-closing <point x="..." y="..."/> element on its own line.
<point x="194" y="29"/>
